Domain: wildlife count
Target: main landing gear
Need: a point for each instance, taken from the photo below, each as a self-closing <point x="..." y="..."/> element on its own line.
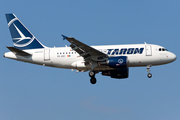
<point x="148" y="70"/>
<point x="92" y="75"/>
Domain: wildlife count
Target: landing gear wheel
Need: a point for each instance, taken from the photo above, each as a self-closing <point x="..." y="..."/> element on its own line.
<point x="149" y="75"/>
<point x="148" y="70"/>
<point x="93" y="80"/>
<point x="91" y="74"/>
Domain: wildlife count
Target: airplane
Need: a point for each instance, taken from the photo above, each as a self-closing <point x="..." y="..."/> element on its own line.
<point x="111" y="60"/>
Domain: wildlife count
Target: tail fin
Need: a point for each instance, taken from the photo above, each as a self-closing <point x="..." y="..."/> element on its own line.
<point x="21" y="36"/>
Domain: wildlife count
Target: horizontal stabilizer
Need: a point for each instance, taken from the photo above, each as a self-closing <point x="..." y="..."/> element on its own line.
<point x="18" y="52"/>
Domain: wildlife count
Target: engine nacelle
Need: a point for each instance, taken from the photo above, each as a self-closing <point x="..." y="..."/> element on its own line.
<point x="116" y="62"/>
<point x="119" y="73"/>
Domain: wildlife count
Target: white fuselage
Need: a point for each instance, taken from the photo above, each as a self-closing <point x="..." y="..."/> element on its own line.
<point x="65" y="57"/>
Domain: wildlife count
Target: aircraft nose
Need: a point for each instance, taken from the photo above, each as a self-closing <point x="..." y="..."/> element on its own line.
<point x="172" y="57"/>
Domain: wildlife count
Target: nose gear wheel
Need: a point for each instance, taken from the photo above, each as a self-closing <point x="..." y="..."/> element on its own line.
<point x="149" y="75"/>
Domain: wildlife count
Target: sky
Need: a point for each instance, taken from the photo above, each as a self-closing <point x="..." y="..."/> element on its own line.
<point x="33" y="92"/>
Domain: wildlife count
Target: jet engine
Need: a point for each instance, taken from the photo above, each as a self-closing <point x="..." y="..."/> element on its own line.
<point x="119" y="73"/>
<point x="115" y="62"/>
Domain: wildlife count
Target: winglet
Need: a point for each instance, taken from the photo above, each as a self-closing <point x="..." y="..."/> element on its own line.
<point x="64" y="37"/>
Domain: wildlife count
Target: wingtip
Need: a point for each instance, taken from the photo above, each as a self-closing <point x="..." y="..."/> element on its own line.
<point x="64" y="37"/>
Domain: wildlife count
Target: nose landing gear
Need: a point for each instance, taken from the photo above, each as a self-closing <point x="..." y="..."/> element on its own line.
<point x="148" y="70"/>
<point x="149" y="75"/>
<point x="92" y="75"/>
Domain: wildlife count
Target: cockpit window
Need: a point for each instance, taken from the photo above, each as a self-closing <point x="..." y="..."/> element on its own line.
<point x="162" y="49"/>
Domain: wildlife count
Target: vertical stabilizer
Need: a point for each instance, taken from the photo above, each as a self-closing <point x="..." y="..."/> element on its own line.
<point x="21" y="36"/>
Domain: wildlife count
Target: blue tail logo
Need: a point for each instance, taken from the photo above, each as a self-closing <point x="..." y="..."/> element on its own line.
<point x="21" y="36"/>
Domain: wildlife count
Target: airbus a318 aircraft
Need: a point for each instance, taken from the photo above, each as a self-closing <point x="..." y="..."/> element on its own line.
<point x="110" y="60"/>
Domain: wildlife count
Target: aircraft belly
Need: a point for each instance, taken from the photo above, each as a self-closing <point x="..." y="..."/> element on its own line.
<point x="146" y="60"/>
<point x="65" y="62"/>
<point x="134" y="61"/>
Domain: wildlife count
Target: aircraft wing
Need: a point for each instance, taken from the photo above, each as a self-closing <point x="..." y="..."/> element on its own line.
<point x="84" y="50"/>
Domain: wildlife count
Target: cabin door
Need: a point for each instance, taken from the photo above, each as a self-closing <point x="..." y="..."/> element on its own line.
<point x="46" y="54"/>
<point x="148" y="50"/>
